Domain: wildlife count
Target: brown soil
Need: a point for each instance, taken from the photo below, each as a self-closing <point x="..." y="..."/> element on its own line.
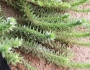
<point x="81" y="53"/>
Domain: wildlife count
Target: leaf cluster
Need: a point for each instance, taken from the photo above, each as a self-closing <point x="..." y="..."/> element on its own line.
<point x="48" y="29"/>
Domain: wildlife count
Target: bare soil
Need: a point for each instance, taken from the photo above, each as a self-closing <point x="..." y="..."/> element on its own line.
<point x="81" y="54"/>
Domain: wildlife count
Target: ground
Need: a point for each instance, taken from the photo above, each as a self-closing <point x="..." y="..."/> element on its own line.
<point x="81" y="54"/>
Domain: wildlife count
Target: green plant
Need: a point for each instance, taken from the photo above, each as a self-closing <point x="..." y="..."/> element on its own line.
<point x="8" y="44"/>
<point x="48" y="26"/>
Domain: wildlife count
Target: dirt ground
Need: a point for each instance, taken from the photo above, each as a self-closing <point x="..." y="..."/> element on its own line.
<point x="81" y="54"/>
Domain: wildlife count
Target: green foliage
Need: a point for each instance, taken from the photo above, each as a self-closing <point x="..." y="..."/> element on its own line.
<point x="28" y="65"/>
<point x="41" y="51"/>
<point x="48" y="29"/>
<point x="34" y="33"/>
<point x="79" y="2"/>
<point x="8" y="44"/>
<point x="7" y="24"/>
